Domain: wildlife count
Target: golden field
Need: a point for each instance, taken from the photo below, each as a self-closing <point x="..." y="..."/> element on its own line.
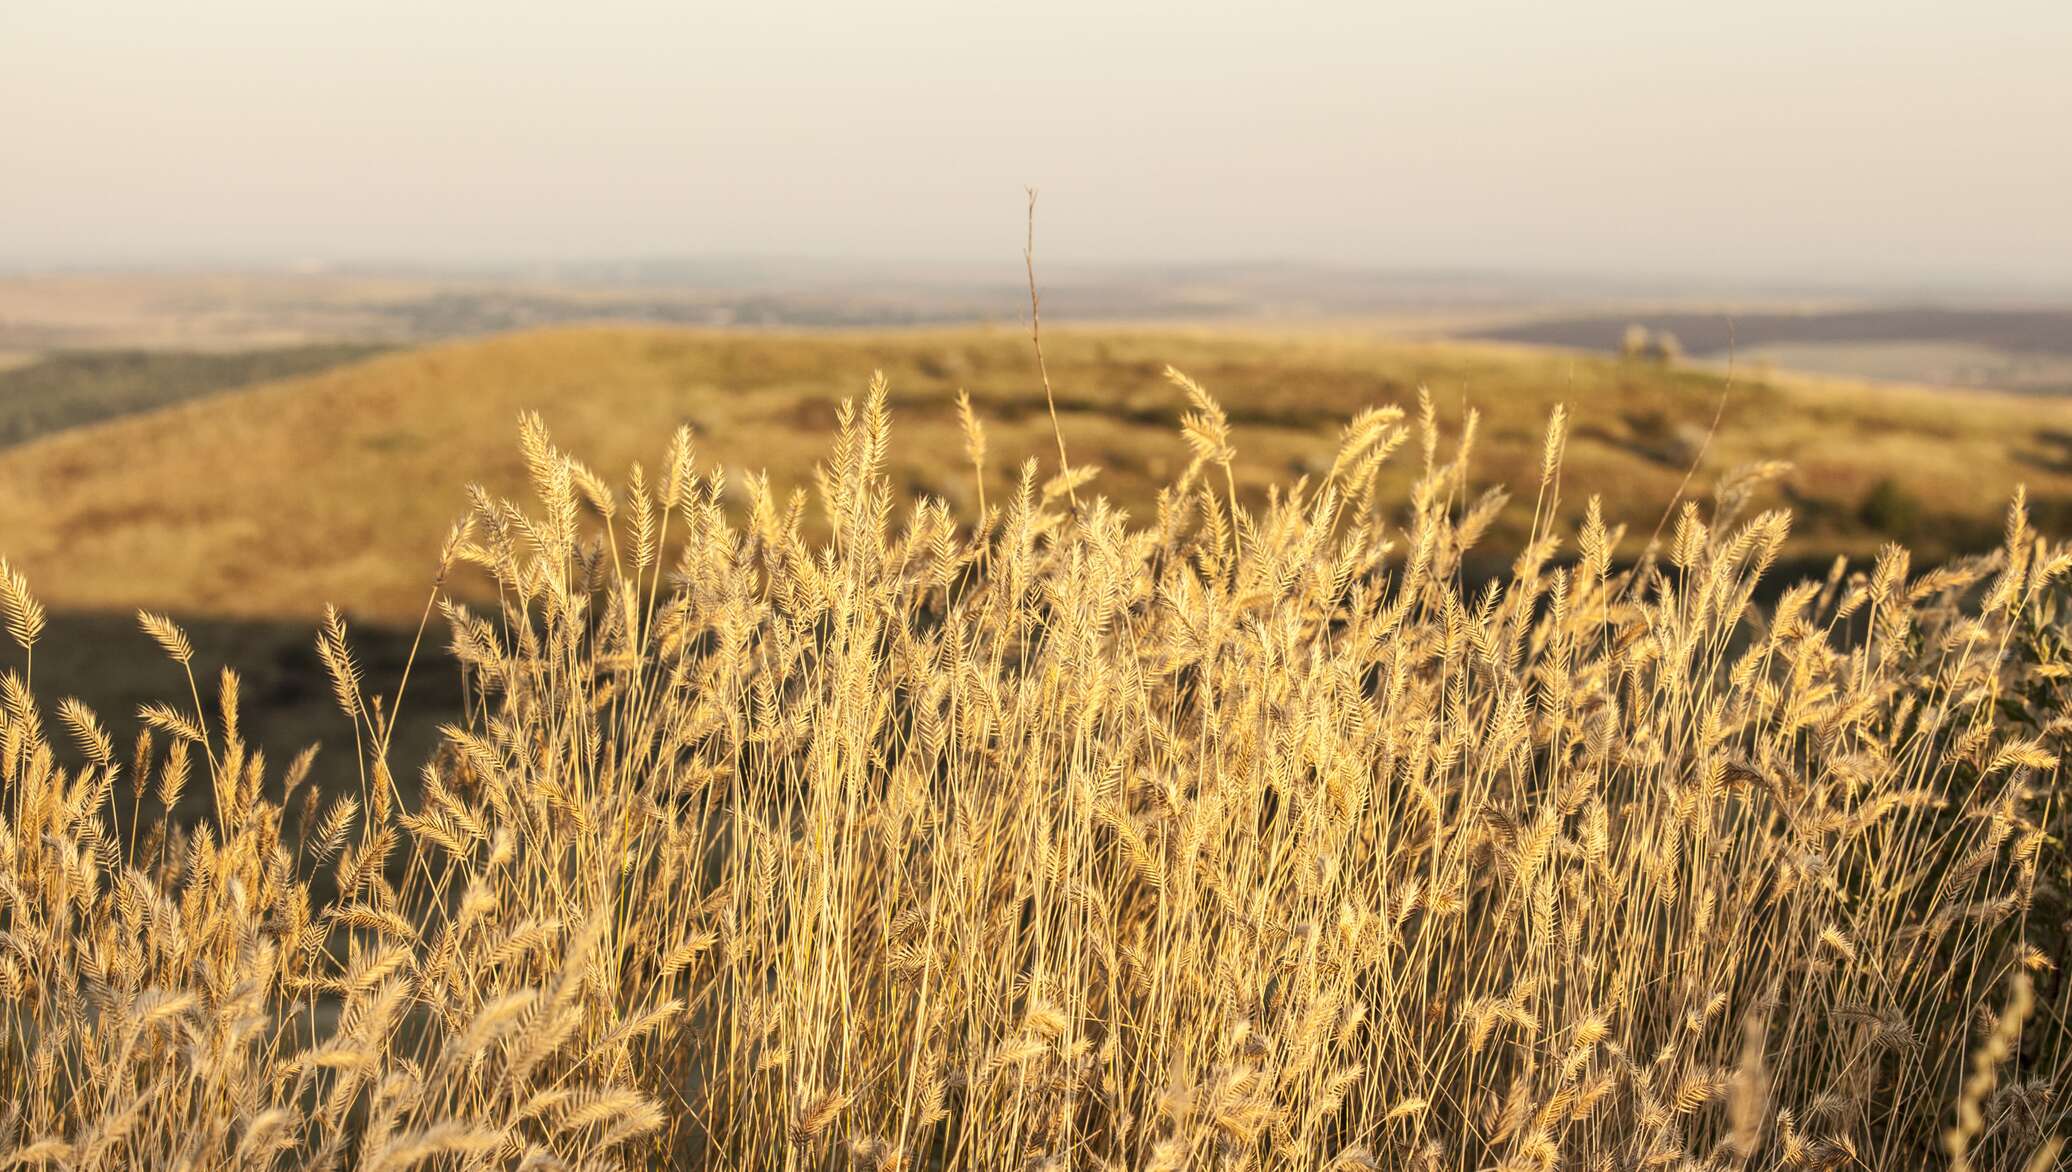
<point x="1247" y="830"/>
<point x="270" y="501"/>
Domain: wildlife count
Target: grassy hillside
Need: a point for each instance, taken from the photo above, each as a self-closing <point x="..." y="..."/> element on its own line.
<point x="40" y="395"/>
<point x="338" y="486"/>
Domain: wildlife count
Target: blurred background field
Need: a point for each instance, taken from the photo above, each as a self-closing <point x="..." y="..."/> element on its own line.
<point x="240" y="450"/>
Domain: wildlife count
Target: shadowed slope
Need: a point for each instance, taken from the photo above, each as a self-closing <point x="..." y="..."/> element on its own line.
<point x="40" y="396"/>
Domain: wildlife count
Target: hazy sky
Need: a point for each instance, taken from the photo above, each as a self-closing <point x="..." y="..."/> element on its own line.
<point x="1834" y="139"/>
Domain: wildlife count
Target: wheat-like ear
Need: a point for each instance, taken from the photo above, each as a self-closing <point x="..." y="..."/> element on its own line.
<point x="87" y="731"/>
<point x="168" y="635"/>
<point x="974" y="444"/>
<point x="332" y="831"/>
<point x="677" y="464"/>
<point x="227" y="693"/>
<point x="453" y="1137"/>
<point x="1068" y="484"/>
<point x="1556" y="444"/>
<point x="1374" y="429"/>
<point x="642" y="505"/>
<point x="1207" y="427"/>
<point x="1207" y="432"/>
<point x="336" y="654"/>
<point x="173" y="774"/>
<point x="167" y="719"/>
<point x="24" y="614"/>
<point x="541" y="457"/>
<point x="49" y="1151"/>
<point x="594" y="489"/>
<point x="817" y="1116"/>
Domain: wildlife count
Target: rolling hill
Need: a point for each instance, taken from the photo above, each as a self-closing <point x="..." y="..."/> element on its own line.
<point x="45" y="393"/>
<point x="243" y="511"/>
<point x="267" y="502"/>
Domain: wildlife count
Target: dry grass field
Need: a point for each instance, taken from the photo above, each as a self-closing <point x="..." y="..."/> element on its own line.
<point x="47" y="393"/>
<point x="743" y="815"/>
<point x="1246" y="833"/>
<point x="271" y="501"/>
<point x="248" y="508"/>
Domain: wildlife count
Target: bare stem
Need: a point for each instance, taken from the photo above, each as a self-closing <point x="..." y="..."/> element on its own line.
<point x="1036" y="338"/>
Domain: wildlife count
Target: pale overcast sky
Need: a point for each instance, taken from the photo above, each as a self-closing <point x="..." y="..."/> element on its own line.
<point x="1836" y="139"/>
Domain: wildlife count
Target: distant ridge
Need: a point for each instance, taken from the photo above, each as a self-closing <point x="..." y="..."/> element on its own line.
<point x="2035" y="331"/>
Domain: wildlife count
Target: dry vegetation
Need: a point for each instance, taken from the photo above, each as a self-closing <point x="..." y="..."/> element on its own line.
<point x="1245" y="836"/>
<point x="266" y="503"/>
<point x="51" y="393"/>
